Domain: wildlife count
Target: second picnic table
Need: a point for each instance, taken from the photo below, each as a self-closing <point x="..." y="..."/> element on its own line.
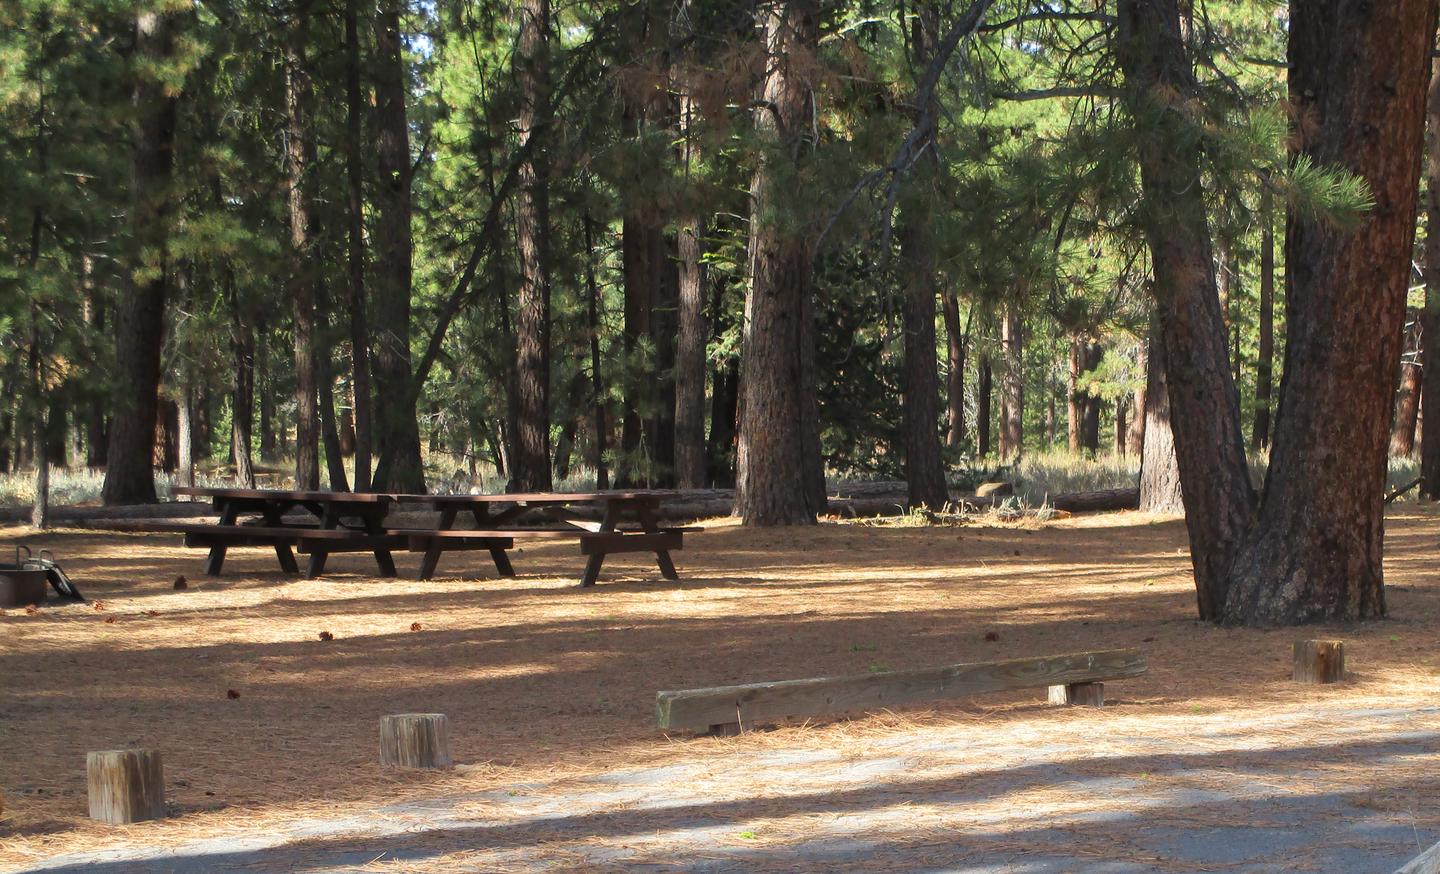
<point x="510" y="515"/>
<point x="359" y="522"/>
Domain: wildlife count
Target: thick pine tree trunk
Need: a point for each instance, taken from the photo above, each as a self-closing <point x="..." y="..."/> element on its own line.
<point x="140" y="313"/>
<point x="691" y="330"/>
<point x="395" y="426"/>
<point x="1159" y="474"/>
<point x="778" y="447"/>
<point x="955" y="376"/>
<point x="924" y="470"/>
<point x="355" y="239"/>
<point x="1430" y="333"/>
<point x="1315" y="554"/>
<point x="1012" y="385"/>
<point x="1264" y="364"/>
<point x="1090" y="409"/>
<point x="1205" y="406"/>
<point x="1407" y="395"/>
<point x="300" y="153"/>
<point x="530" y="467"/>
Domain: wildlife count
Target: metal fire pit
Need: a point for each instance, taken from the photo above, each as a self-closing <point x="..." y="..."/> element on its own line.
<point x="21" y="586"/>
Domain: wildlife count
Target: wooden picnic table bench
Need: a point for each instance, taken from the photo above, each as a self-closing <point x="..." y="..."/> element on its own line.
<point x="365" y="532"/>
<point x="503" y="515"/>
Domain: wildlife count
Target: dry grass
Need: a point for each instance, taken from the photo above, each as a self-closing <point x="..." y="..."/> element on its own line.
<point x="543" y="681"/>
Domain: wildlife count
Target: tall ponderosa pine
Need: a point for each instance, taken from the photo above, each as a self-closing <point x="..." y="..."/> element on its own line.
<point x="531" y="461"/>
<point x="140" y="311"/>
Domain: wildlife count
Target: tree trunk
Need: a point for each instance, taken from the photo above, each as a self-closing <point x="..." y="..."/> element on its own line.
<point x="691" y="330"/>
<point x="266" y="390"/>
<point x="1121" y="425"/>
<point x="1430" y="332"/>
<point x="1090" y="415"/>
<point x="1159" y="472"/>
<point x="779" y="431"/>
<point x="597" y="386"/>
<point x="1264" y="364"/>
<point x="185" y="429"/>
<point x="983" y="391"/>
<point x="1074" y="409"/>
<point x="396" y="428"/>
<point x="1407" y="395"/>
<point x="924" y="470"/>
<point x="355" y="226"/>
<point x="1135" y="434"/>
<point x="955" y="377"/>
<point x="140" y="313"/>
<point x="300" y="156"/>
<point x="242" y="351"/>
<point x="1219" y="501"/>
<point x="1315" y="554"/>
<point x="1012" y="385"/>
<point x="531" y="462"/>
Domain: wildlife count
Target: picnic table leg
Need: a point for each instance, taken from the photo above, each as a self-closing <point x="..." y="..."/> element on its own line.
<point x="592" y="566"/>
<point x="274" y="516"/>
<point x="318" y="555"/>
<point x="431" y="559"/>
<point x="502" y="561"/>
<point x="216" y="559"/>
<point x="382" y="554"/>
<point x="662" y="556"/>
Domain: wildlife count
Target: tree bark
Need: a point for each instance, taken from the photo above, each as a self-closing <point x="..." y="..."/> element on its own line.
<point x="955" y="377"/>
<point x="355" y="227"/>
<point x="140" y="313"/>
<point x="396" y="429"/>
<point x="242" y="351"/>
<point x="1135" y="434"/>
<point x="984" y="389"/>
<point x="778" y="453"/>
<point x="1160" y="490"/>
<point x="924" y="470"/>
<point x="1074" y="408"/>
<point x="531" y="463"/>
<point x="1407" y="395"/>
<point x="691" y="329"/>
<point x="1430" y="333"/>
<point x="300" y="155"/>
<point x="597" y="385"/>
<point x="1264" y="364"/>
<point x="1219" y="500"/>
<point x="1012" y="385"/>
<point x="1315" y="554"/>
<point x="1090" y="417"/>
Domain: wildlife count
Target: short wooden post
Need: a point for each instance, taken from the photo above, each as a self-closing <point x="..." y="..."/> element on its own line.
<point x="125" y="785"/>
<point x="1079" y="694"/>
<point x="415" y="740"/>
<point x="1319" y="661"/>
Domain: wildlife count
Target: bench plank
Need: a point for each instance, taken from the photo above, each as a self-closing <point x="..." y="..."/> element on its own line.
<point x="699" y="709"/>
<point x="610" y="542"/>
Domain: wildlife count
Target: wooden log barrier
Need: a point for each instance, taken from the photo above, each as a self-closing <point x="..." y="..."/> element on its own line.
<point x="1079" y="694"/>
<point x="1319" y="661"/>
<point x="125" y="785"/>
<point x="1427" y="862"/>
<point x="415" y="740"/>
<point x="720" y="709"/>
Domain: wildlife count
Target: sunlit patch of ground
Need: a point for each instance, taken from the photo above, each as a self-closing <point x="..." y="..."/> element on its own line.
<point x="550" y="694"/>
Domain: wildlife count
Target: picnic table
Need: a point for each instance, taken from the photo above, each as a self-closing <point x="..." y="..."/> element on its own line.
<point x="514" y="516"/>
<point x="343" y="522"/>
<point x="357" y="522"/>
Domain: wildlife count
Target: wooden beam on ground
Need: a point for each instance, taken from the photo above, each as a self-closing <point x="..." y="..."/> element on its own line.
<point x="125" y="786"/>
<point x="1427" y="862"/>
<point x="1319" y="661"/>
<point x="704" y="709"/>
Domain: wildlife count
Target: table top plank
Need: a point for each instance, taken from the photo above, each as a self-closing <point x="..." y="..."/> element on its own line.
<point x="281" y="495"/>
<point x="539" y="497"/>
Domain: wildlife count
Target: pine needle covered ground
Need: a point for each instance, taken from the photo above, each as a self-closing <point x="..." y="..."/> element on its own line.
<point x="550" y="694"/>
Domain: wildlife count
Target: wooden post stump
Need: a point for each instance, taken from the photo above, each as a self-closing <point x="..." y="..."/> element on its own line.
<point x="125" y="785"/>
<point x="415" y="740"/>
<point x="1079" y="694"/>
<point x="1319" y="661"/>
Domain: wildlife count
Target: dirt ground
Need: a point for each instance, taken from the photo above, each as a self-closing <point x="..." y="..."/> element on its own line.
<point x="544" y="682"/>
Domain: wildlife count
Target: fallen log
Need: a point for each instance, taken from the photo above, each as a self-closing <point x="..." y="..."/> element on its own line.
<point x="1105" y="500"/>
<point x="163" y="510"/>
